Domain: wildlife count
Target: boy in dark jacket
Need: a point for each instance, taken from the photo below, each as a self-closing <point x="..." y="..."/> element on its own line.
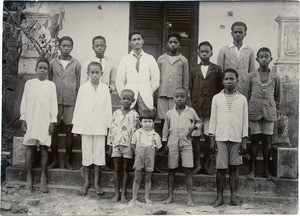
<point x="205" y="82"/>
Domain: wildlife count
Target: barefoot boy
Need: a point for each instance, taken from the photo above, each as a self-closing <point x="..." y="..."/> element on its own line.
<point x="124" y="123"/>
<point x="92" y="118"/>
<point x="205" y="82"/>
<point x="237" y="55"/>
<point x="144" y="142"/>
<point x="65" y="73"/>
<point x="174" y="73"/>
<point x="38" y="114"/>
<point x="262" y="89"/>
<point x="228" y="132"/>
<point x="180" y="122"/>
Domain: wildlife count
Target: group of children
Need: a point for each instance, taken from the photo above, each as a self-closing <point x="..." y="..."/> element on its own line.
<point x="223" y="98"/>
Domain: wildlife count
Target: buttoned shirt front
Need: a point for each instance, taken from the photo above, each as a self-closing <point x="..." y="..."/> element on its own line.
<point x="109" y="72"/>
<point x="93" y="111"/>
<point x="145" y="82"/>
<point x="122" y="128"/>
<point x="229" y="125"/>
<point x="176" y="126"/>
<point x="172" y="75"/>
<point x="66" y="80"/>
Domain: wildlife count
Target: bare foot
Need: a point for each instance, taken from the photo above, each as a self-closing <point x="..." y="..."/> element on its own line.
<point x="43" y="188"/>
<point x="233" y="201"/>
<point x="53" y="165"/>
<point x="148" y="201"/>
<point x="124" y="199"/>
<point x="133" y="201"/>
<point x="99" y="190"/>
<point x="29" y="184"/>
<point x="196" y="170"/>
<point x="251" y="176"/>
<point x="190" y="203"/>
<point x="84" y="189"/>
<point x="217" y="202"/>
<point x="115" y="198"/>
<point x="206" y="171"/>
<point x="270" y="177"/>
<point x="168" y="201"/>
<point x="69" y="166"/>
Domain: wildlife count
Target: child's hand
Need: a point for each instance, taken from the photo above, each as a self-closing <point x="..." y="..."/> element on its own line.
<point x="110" y="89"/>
<point x="243" y="147"/>
<point x="51" y="128"/>
<point x="109" y="152"/>
<point x="24" y="127"/>
<point x="213" y="145"/>
<point x="189" y="135"/>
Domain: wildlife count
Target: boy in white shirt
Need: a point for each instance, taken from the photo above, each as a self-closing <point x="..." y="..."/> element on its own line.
<point x="92" y="118"/>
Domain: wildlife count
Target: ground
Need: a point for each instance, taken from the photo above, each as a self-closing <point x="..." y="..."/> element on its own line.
<point x="16" y="200"/>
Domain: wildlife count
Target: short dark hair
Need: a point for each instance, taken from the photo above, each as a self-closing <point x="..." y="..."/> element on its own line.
<point x="239" y="23"/>
<point x="65" y="38"/>
<point x="42" y="60"/>
<point x="133" y="33"/>
<point x="263" y="49"/>
<point x="181" y="88"/>
<point x="94" y="64"/>
<point x="98" y="37"/>
<point x="205" y="43"/>
<point x="230" y="70"/>
<point x="128" y="90"/>
<point x="173" y="34"/>
<point x="148" y="114"/>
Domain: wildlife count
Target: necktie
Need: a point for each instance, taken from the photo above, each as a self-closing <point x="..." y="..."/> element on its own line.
<point x="137" y="66"/>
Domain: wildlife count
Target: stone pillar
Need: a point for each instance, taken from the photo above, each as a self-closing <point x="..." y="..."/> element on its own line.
<point x="287" y="67"/>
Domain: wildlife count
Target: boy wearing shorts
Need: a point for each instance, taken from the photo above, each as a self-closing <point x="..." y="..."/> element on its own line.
<point x="228" y="132"/>
<point x="125" y="121"/>
<point x="38" y="114"/>
<point x="263" y="92"/>
<point x="144" y="141"/>
<point x="65" y="73"/>
<point x="92" y="118"/>
<point x="179" y="124"/>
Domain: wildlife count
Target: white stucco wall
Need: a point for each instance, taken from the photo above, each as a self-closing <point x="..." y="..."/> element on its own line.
<point x="83" y="21"/>
<point x="259" y="17"/>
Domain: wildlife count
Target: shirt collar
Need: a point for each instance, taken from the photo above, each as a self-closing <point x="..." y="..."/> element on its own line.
<point x="186" y="108"/>
<point x="223" y="92"/>
<point x="132" y="53"/>
<point x="58" y="58"/>
<point x="180" y="57"/>
<point x="243" y="46"/>
<point x="152" y="132"/>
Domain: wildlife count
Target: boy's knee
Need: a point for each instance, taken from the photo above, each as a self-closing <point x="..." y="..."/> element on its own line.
<point x="187" y="171"/>
<point x="137" y="179"/>
<point x="147" y="178"/>
<point x="255" y="138"/>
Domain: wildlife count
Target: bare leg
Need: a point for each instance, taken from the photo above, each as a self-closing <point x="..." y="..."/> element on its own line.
<point x="125" y="180"/>
<point x="69" y="146"/>
<point x="44" y="161"/>
<point x="117" y="178"/>
<point x="86" y="185"/>
<point x="221" y="181"/>
<point x="196" y="153"/>
<point x="29" y="165"/>
<point x="97" y="175"/>
<point x="233" y="180"/>
<point x="171" y="180"/>
<point x="206" y="159"/>
<point x="253" y="154"/>
<point x="189" y="185"/>
<point x="136" y="185"/>
<point x="54" y="148"/>
<point x="148" y="187"/>
<point x="266" y="143"/>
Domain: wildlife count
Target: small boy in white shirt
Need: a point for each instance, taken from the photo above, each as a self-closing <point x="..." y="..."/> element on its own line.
<point x="144" y="142"/>
<point x="92" y="118"/>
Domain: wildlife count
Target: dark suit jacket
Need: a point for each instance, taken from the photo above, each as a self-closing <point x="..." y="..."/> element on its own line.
<point x="202" y="90"/>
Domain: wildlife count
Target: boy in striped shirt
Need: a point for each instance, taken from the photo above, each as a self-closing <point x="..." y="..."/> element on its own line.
<point x="228" y="132"/>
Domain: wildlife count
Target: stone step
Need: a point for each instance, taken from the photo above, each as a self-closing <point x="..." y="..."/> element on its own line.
<point x="202" y="183"/>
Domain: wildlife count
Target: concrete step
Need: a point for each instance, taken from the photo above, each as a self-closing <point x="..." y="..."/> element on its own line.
<point x="279" y="188"/>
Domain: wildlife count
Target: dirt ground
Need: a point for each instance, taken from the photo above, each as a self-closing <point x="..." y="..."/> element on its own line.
<point x="16" y="200"/>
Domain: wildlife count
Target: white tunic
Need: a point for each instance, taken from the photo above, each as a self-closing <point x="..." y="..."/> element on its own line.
<point x="93" y="110"/>
<point x="39" y="109"/>
<point x="145" y="82"/>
